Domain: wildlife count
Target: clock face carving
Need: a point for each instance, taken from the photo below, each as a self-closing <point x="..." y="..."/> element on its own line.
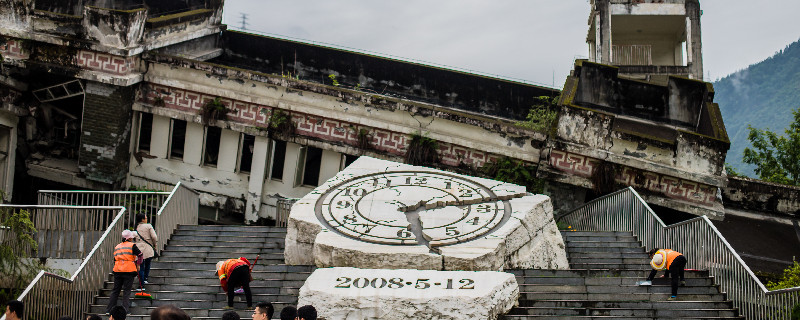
<point x="412" y="208"/>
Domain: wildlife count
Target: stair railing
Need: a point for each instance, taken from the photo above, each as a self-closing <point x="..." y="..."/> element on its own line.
<point x="698" y="239"/>
<point x="50" y="296"/>
<point x="147" y="202"/>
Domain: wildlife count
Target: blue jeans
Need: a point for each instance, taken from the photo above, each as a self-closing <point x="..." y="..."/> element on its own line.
<point x="144" y="270"/>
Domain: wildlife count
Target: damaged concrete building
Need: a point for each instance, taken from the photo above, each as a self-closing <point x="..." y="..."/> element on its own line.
<point x="110" y="95"/>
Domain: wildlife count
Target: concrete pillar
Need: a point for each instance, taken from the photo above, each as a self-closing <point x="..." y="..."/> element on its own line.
<point x="105" y="133"/>
<point x="329" y="167"/>
<point x="159" y="138"/>
<point x="603" y="29"/>
<point x="228" y="151"/>
<point x="694" y="43"/>
<point x="258" y="172"/>
<point x="193" y="148"/>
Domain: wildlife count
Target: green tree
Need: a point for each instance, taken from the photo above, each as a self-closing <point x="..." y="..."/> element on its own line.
<point x="789" y="279"/>
<point x="16" y="237"/>
<point x="542" y="115"/>
<point x="777" y="158"/>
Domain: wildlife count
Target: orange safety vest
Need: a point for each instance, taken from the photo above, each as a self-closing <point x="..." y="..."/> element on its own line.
<point x="225" y="271"/>
<point x="667" y="256"/>
<point x="124" y="259"/>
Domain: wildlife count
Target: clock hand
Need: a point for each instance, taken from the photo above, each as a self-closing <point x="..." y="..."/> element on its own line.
<point x="428" y="205"/>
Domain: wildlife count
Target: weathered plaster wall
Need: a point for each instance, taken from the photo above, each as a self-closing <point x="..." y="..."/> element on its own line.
<point x="765" y="197"/>
<point x="106" y="132"/>
<point x="120" y="29"/>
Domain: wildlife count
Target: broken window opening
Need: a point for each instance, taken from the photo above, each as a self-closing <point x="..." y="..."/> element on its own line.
<point x="347" y="159"/>
<point x="312" y="164"/>
<point x="145" y="131"/>
<point x="211" y="149"/>
<point x="177" y="139"/>
<point x="246" y="153"/>
<point x="278" y="159"/>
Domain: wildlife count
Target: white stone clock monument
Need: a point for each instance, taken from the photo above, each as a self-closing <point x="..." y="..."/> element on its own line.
<point x="395" y="241"/>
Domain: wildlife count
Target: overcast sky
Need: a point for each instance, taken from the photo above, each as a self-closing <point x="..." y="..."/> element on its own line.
<point x="532" y="40"/>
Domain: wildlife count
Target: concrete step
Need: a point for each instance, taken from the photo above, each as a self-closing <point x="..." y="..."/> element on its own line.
<point x="257" y="276"/>
<point x="271" y="232"/>
<point x="244" y="240"/>
<point x="641" y="312"/>
<point x="631" y="304"/>
<point x="566" y="233"/>
<point x="607" y="266"/>
<point x="189" y="247"/>
<point x="525" y="317"/>
<point x="637" y="260"/>
<point x="603" y="255"/>
<point x="573" y="250"/>
<point x="619" y="297"/>
<point x="266" y="254"/>
<point x="619" y="289"/>
<point x="182" y="273"/>
<point x="229" y="228"/>
<point x="256" y="286"/>
<point x="608" y="281"/>
<point x="594" y="244"/>
<point x="632" y="273"/>
<point x="602" y="237"/>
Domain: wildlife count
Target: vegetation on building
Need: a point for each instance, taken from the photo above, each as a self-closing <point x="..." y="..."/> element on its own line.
<point x="422" y="150"/>
<point x="542" y="115"/>
<point x="213" y="110"/>
<point x="279" y="124"/>
<point x="514" y="171"/>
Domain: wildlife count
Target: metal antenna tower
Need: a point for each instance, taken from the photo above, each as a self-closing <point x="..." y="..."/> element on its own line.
<point x="244" y="20"/>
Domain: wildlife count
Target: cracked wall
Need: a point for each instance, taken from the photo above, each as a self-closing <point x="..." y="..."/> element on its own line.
<point x="105" y="132"/>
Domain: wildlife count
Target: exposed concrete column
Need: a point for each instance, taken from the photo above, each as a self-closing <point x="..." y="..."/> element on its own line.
<point x="159" y="139"/>
<point x="603" y="29"/>
<point x="694" y="43"/>
<point x="105" y="133"/>
<point x="258" y="172"/>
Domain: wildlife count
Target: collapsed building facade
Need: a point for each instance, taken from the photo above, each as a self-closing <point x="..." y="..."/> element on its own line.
<point x="106" y="96"/>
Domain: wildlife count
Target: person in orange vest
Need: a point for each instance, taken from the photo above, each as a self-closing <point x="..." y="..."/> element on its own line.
<point x="234" y="273"/>
<point x="125" y="255"/>
<point x="673" y="264"/>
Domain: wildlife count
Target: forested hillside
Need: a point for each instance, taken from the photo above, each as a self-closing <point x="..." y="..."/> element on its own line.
<point x="763" y="96"/>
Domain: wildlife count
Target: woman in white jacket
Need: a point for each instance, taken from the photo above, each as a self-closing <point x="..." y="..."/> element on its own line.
<point x="146" y="240"/>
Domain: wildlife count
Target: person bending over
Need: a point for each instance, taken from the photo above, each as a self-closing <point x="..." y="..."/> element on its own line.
<point x="234" y="273"/>
<point x="673" y="264"/>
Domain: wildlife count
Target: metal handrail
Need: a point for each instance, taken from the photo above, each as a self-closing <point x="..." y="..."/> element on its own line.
<point x="50" y="296"/>
<point x="147" y="202"/>
<point x="698" y="239"/>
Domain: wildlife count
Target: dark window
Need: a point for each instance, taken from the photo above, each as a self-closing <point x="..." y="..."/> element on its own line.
<point x="145" y="131"/>
<point x="246" y="159"/>
<point x="211" y="154"/>
<point x="278" y="157"/>
<point x="348" y="159"/>
<point x="178" y="139"/>
<point x="312" y="165"/>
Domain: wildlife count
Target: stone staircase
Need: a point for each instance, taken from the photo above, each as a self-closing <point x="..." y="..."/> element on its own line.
<point x="184" y="274"/>
<point x="602" y="285"/>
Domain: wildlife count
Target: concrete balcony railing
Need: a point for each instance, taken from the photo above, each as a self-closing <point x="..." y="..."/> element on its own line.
<point x="632" y="55"/>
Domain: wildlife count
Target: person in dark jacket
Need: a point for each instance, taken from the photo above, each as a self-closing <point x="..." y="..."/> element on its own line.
<point x="125" y="255"/>
<point x="673" y="263"/>
<point x="234" y="273"/>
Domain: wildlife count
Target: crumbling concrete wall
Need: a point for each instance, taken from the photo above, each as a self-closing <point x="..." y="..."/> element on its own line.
<point x="106" y="129"/>
<point x="761" y="196"/>
<point x="114" y="28"/>
<point x="387" y="77"/>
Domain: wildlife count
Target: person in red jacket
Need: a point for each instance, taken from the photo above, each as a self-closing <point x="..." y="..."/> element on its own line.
<point x="673" y="264"/>
<point x="125" y="255"/>
<point x="234" y="273"/>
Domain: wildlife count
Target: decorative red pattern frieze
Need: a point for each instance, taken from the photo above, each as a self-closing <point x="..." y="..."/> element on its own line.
<point x="322" y="128"/>
<point x="13" y="49"/>
<point x="107" y="63"/>
<point x="671" y="187"/>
